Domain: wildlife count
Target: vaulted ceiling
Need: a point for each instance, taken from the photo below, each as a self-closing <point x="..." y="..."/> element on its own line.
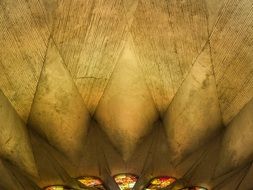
<point x="100" y="87"/>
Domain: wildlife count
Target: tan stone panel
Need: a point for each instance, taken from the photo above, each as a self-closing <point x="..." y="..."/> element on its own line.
<point x="232" y="181"/>
<point x="237" y="142"/>
<point x="90" y="36"/>
<point x="48" y="7"/>
<point x="126" y="111"/>
<point x="247" y="182"/>
<point x="53" y="166"/>
<point x="14" y="140"/>
<point x="7" y="180"/>
<point x="193" y="116"/>
<point x="58" y="112"/>
<point x="71" y="21"/>
<point x="202" y="169"/>
<point x="168" y="36"/>
<point x="23" y="43"/>
<point x="214" y="9"/>
<point x="232" y="47"/>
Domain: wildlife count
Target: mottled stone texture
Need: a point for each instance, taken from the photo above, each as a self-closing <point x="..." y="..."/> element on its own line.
<point x="151" y="87"/>
<point x="193" y="116"/>
<point x="58" y="112"/>
<point x="126" y="111"/>
<point x="23" y="44"/>
<point x="14" y="140"/>
<point x="237" y="145"/>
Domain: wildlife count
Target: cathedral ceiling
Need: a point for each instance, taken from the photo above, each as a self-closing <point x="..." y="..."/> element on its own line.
<point x="101" y="87"/>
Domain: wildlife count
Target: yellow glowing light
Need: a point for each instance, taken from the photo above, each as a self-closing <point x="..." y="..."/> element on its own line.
<point x="160" y="182"/>
<point x="91" y="182"/>
<point x="125" y="181"/>
<point x="56" y="187"/>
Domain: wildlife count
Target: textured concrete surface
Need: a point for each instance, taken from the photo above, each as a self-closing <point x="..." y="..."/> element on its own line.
<point x="193" y="117"/>
<point x="100" y="87"/>
<point x="14" y="139"/>
<point x="237" y="146"/>
<point x="126" y="111"/>
<point x="58" y="112"/>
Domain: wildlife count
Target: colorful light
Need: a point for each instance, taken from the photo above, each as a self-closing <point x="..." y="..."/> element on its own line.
<point x="57" y="187"/>
<point x="160" y="182"/>
<point x="92" y="182"/>
<point x="126" y="181"/>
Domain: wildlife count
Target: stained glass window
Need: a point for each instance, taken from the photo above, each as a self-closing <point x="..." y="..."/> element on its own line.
<point x="57" y="187"/>
<point x="160" y="182"/>
<point x="92" y="182"/>
<point x="125" y="181"/>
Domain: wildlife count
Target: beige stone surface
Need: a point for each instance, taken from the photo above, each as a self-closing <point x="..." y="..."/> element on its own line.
<point x="214" y="8"/>
<point x="232" y="46"/>
<point x="14" y="139"/>
<point x="58" y="112"/>
<point x="167" y="39"/>
<point x="90" y="36"/>
<point x="111" y="86"/>
<point x="23" y="44"/>
<point x="7" y="180"/>
<point x="126" y="110"/>
<point x="237" y="142"/>
<point x="247" y="183"/>
<point x="193" y="116"/>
